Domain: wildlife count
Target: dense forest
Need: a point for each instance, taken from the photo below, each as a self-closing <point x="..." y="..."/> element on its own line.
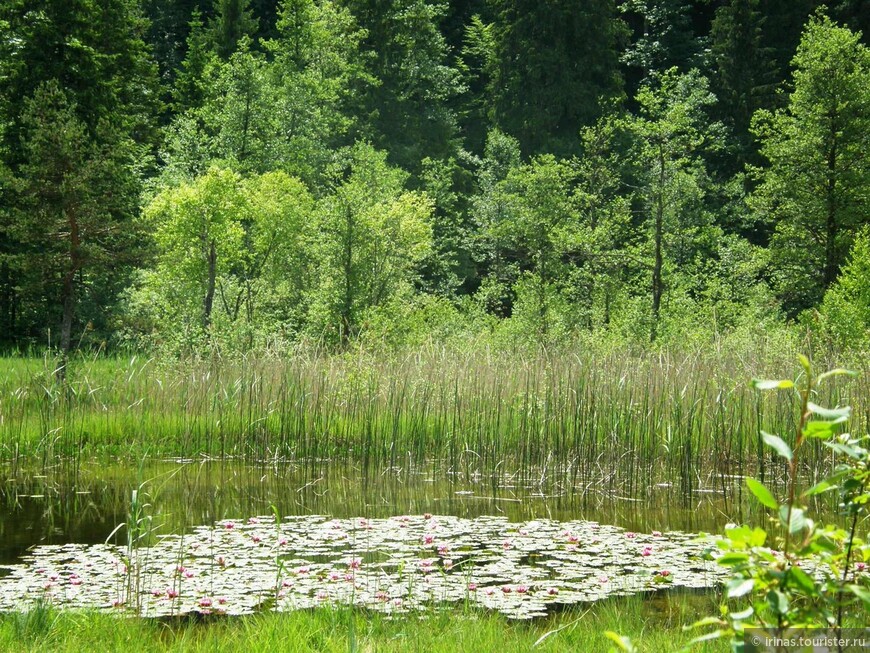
<point x="248" y="174"/>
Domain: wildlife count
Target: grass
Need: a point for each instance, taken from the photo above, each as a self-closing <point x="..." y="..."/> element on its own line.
<point x="652" y="626"/>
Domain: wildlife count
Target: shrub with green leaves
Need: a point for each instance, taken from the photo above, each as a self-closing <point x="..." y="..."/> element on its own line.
<point x="802" y="575"/>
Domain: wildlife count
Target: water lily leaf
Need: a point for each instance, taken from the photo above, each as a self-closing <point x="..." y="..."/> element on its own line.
<point x="770" y="384"/>
<point x="762" y="493"/>
<point x="777" y="444"/>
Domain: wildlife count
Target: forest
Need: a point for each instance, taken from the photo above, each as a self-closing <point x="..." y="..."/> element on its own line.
<point x="246" y="175"/>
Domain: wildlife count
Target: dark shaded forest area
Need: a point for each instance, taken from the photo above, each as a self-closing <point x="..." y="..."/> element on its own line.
<point x="249" y="174"/>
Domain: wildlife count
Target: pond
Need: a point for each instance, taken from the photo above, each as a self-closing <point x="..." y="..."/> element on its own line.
<point x="394" y="540"/>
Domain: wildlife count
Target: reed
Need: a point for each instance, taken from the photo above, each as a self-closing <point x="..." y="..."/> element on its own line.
<point x="625" y="419"/>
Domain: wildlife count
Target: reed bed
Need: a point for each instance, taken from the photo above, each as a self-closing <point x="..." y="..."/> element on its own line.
<point x="627" y="419"/>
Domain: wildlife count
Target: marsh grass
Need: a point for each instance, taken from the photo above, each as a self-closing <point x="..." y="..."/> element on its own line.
<point x="654" y="626"/>
<point x="618" y="419"/>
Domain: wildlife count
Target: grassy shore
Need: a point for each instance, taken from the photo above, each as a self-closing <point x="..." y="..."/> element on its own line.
<point x="652" y="627"/>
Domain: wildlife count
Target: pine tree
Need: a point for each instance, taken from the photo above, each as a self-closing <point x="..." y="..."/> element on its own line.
<point x="233" y="20"/>
<point x="554" y="63"/>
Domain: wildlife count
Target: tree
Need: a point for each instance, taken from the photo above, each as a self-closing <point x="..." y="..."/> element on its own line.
<point x="672" y="129"/>
<point x="845" y="310"/>
<point x="539" y="220"/>
<point x="189" y="89"/>
<point x="94" y="51"/>
<point x="409" y="111"/>
<point x="371" y="236"/>
<point x="815" y="188"/>
<point x="553" y="64"/>
<point x="662" y="37"/>
<point x="233" y="21"/>
<point x="75" y="200"/>
<point x="744" y="71"/>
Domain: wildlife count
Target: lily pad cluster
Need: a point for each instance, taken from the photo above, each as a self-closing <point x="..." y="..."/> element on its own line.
<point x="396" y="565"/>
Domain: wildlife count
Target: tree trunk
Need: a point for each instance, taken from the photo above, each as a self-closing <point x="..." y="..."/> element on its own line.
<point x="347" y="269"/>
<point x="832" y="266"/>
<point x="68" y="294"/>
<point x="657" y="265"/>
<point x="208" y="302"/>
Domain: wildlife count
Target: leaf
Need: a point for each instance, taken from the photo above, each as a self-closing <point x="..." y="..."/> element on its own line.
<point x="819" y="429"/>
<point x="802" y="580"/>
<point x="716" y="634"/>
<point x="796" y="522"/>
<point x="861" y="592"/>
<point x="830" y="413"/>
<point x="706" y="621"/>
<point x="777" y="601"/>
<point x="770" y="384"/>
<point x="738" y="588"/>
<point x="623" y="643"/>
<point x="732" y="558"/>
<point x="762" y="493"/>
<point x="805" y="363"/>
<point x="820" y="487"/>
<point x="743" y="614"/>
<point x="837" y="372"/>
<point x="777" y="444"/>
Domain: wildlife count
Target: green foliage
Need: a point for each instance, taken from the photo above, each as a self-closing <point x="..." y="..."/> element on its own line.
<point x="813" y="575"/>
<point x="845" y="311"/>
<point x="371" y="235"/>
<point x="552" y="65"/>
<point x="231" y="265"/>
<point x="233" y="22"/>
<point x="815" y="188"/>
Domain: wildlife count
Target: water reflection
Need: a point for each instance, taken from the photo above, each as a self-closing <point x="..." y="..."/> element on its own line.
<point x="84" y="503"/>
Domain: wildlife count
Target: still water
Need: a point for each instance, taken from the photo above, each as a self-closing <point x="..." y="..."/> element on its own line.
<point x="86" y="502"/>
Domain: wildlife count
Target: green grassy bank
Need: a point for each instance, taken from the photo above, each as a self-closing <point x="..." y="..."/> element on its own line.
<point x="652" y="626"/>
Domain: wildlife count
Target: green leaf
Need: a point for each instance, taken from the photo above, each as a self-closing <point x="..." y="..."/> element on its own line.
<point x="798" y="519"/>
<point x="837" y="372"/>
<point x="623" y="643"/>
<point x="743" y="614"/>
<point x="777" y="444"/>
<point x="706" y="621"/>
<point x="820" y="430"/>
<point x="820" y="487"/>
<point x="738" y="587"/>
<point x="861" y="592"/>
<point x="805" y="363"/>
<point x="762" y="493"/>
<point x="777" y="601"/>
<point x="770" y="384"/>
<point x="803" y="581"/>
<point x="830" y="413"/>
<point x="732" y="558"/>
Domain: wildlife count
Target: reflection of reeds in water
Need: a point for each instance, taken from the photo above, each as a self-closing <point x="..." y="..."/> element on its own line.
<point x="624" y="420"/>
